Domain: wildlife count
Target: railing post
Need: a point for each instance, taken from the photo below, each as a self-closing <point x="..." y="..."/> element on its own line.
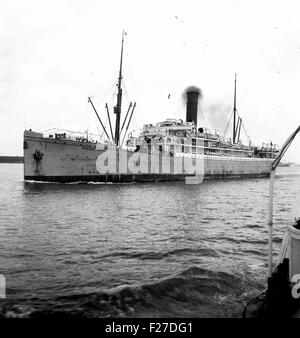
<point x="270" y="224"/>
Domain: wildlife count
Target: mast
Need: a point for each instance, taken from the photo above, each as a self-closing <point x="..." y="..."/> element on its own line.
<point x="234" y="111"/>
<point x="117" y="108"/>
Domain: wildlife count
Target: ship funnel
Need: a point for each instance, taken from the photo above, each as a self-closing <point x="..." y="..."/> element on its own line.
<point x="192" y="96"/>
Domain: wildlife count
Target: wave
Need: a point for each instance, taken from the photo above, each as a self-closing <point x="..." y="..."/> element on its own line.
<point x="244" y="240"/>
<point x="160" y="255"/>
<point x="194" y="292"/>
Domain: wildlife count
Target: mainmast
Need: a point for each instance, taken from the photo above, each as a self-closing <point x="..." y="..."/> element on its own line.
<point x="117" y="108"/>
<point x="234" y="112"/>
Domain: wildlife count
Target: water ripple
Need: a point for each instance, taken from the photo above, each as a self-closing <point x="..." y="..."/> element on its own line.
<point x="165" y="249"/>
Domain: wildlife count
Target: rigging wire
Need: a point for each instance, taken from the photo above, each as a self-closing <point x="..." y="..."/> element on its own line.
<point x="134" y="121"/>
<point x="102" y="99"/>
<point x="125" y="90"/>
<point x="242" y="125"/>
<point x="244" y="129"/>
<point x="229" y="120"/>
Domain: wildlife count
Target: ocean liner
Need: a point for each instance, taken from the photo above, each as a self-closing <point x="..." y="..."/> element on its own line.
<point x="169" y="150"/>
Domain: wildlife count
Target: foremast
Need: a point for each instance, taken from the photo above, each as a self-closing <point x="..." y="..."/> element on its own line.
<point x="117" y="108"/>
<point x="116" y="137"/>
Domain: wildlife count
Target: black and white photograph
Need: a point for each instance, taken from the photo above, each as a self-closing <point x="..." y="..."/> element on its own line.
<point x="149" y="161"/>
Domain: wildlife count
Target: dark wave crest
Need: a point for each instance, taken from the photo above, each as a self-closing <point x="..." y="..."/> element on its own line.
<point x="186" y="294"/>
<point x="160" y="255"/>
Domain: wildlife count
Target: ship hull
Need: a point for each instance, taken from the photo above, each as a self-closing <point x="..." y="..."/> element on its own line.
<point x="51" y="160"/>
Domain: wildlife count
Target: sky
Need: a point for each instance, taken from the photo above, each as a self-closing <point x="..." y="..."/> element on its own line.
<point x="55" y="54"/>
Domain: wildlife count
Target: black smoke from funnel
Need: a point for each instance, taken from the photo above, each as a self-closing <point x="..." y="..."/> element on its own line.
<point x="192" y="95"/>
<point x="193" y="89"/>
